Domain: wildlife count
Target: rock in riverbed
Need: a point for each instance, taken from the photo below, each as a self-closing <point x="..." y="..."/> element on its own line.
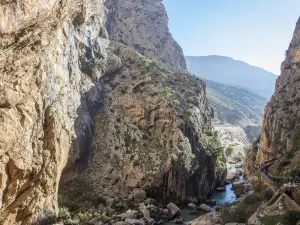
<point x="221" y="189"/>
<point x="204" y="207"/>
<point x="173" y="210"/>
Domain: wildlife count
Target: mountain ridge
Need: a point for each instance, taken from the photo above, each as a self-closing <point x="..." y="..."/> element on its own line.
<point x="226" y="70"/>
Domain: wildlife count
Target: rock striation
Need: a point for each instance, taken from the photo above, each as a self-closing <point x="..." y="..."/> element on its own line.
<point x="280" y="129"/>
<point x="143" y="25"/>
<point x="77" y="107"/>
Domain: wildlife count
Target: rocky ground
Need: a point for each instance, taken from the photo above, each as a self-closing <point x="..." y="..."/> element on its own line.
<point x="137" y="210"/>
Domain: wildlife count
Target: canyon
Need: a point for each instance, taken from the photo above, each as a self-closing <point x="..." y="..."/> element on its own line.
<point x="101" y="123"/>
<point x="79" y="84"/>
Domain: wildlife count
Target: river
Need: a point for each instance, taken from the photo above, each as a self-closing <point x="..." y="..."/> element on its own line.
<point x="222" y="198"/>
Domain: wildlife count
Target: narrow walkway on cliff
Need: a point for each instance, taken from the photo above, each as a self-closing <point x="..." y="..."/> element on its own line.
<point x="271" y="178"/>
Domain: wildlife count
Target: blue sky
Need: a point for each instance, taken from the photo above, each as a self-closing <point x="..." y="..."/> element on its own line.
<point x="255" y="31"/>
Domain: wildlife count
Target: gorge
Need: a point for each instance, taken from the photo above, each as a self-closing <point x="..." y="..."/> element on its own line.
<point x="101" y="122"/>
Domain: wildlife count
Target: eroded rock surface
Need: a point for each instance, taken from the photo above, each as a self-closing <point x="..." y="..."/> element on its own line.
<point x="143" y="25"/>
<point x="151" y="134"/>
<point x="281" y="120"/>
<point x="73" y="102"/>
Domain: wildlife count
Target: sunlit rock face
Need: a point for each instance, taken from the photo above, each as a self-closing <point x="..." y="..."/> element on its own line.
<point x="143" y="25"/>
<point x="281" y="120"/>
<point x="74" y="104"/>
<point x="44" y="48"/>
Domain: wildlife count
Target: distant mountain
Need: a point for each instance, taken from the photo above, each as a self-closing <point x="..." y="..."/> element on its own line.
<point x="235" y="106"/>
<point x="226" y="70"/>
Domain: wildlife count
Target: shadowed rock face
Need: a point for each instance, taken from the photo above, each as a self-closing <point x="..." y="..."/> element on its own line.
<point x="73" y="102"/>
<point x="281" y="120"/>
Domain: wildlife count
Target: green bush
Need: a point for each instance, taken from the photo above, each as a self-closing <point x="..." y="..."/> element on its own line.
<point x="189" y="112"/>
<point x="100" y="216"/>
<point x="290" y="155"/>
<point x="295" y="172"/>
<point x="271" y="220"/>
<point x="268" y="194"/>
<point x="291" y="217"/>
<point x="229" y="150"/>
<point x="167" y="92"/>
<point x="238" y="213"/>
<point x="252" y="198"/>
<point x="296" y="140"/>
<point x="259" y="186"/>
<point x="83" y="217"/>
<point x="64" y="213"/>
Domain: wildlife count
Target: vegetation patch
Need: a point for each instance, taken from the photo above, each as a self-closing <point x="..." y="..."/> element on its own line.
<point x="83" y="217"/>
<point x="229" y="151"/>
<point x="271" y="220"/>
<point x="242" y="211"/>
<point x="64" y="213"/>
<point x="296" y="139"/>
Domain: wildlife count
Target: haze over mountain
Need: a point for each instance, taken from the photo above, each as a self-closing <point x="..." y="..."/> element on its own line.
<point x="235" y="106"/>
<point x="226" y="70"/>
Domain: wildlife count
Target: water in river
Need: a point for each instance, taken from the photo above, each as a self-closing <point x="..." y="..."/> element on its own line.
<point x="221" y="198"/>
<point x="226" y="197"/>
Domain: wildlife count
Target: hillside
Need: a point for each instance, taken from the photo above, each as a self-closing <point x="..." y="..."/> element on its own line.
<point x="234" y="105"/>
<point x="226" y="70"/>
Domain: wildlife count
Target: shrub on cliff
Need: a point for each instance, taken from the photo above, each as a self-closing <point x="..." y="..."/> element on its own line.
<point x="63" y="213"/>
<point x="291" y="217"/>
<point x="229" y="150"/>
<point x="83" y="217"/>
<point x="296" y="139"/>
<point x="295" y="172"/>
<point x="238" y="213"/>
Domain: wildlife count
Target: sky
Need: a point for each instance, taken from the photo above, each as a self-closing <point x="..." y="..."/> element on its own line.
<point x="255" y="31"/>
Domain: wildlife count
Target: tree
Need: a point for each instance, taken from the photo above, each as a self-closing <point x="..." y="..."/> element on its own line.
<point x="229" y="150"/>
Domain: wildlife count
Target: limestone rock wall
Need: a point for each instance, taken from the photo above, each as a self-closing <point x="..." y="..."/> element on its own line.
<point x="282" y="118"/>
<point x="149" y="135"/>
<point x="143" y="25"/>
<point x="44" y="47"/>
<point x="68" y="98"/>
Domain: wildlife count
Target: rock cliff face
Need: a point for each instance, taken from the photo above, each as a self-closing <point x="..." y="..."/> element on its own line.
<point x="143" y="25"/>
<point x="149" y="136"/>
<point x="75" y="104"/>
<point x="280" y="129"/>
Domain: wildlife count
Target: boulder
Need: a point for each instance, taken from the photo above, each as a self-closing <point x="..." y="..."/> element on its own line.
<point x="221" y="189"/>
<point x="239" y="172"/>
<point x="146" y="213"/>
<point x="94" y="221"/>
<point x="139" y="194"/>
<point x="131" y="214"/>
<point x="232" y="176"/>
<point x="166" y="212"/>
<point x="192" y="206"/>
<point x="108" y="201"/>
<point x="204" y="207"/>
<point x="207" y="219"/>
<point x="173" y="210"/>
<point x="238" y="184"/>
<point x="72" y="221"/>
<point x="134" y="221"/>
<point x="178" y="221"/>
